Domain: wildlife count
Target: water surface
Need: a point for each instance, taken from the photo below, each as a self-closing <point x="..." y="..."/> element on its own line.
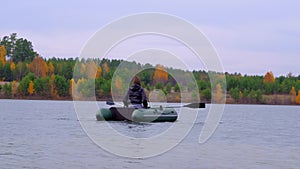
<point x="47" y="134"/>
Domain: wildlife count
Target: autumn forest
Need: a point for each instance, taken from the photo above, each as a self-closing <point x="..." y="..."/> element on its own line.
<point x="24" y="74"/>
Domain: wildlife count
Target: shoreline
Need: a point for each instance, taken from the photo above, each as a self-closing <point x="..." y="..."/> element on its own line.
<point x="68" y="98"/>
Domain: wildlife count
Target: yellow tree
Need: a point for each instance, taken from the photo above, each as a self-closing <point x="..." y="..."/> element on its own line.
<point x="269" y="77"/>
<point x="293" y="95"/>
<point x="50" y="68"/>
<point x="91" y="69"/>
<point x="39" y="67"/>
<point x="3" y="54"/>
<point x="219" y="93"/>
<point x="99" y="72"/>
<point x="31" y="88"/>
<point x="81" y="81"/>
<point x="12" y="66"/>
<point x="78" y="91"/>
<point x="105" y="67"/>
<point x="160" y="74"/>
<point x="14" y="88"/>
<point x="72" y="87"/>
<point x="118" y="83"/>
<point x="298" y="98"/>
<point x="82" y="69"/>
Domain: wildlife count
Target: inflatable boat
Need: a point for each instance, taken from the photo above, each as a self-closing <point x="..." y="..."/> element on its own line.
<point x="159" y="114"/>
<point x="137" y="115"/>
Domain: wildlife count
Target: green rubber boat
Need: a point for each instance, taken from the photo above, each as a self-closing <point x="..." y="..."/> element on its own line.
<point x="137" y="115"/>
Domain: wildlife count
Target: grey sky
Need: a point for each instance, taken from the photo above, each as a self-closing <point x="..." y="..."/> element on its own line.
<point x="250" y="36"/>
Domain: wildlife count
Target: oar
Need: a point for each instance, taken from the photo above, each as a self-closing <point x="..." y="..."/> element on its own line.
<point x="195" y="105"/>
<point x="191" y="105"/>
<point x="110" y="102"/>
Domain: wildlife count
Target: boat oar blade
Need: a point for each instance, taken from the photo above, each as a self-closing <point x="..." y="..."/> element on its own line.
<point x="109" y="102"/>
<point x="195" y="105"/>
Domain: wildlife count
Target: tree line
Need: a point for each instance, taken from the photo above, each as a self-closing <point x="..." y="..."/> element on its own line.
<point x="24" y="73"/>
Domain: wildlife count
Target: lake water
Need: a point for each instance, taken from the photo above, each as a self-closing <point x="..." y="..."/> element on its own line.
<point x="47" y="134"/>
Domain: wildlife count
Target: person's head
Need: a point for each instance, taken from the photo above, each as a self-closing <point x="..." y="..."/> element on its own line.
<point x="136" y="80"/>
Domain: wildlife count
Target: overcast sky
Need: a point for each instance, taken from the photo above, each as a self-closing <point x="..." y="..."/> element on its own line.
<point x="250" y="36"/>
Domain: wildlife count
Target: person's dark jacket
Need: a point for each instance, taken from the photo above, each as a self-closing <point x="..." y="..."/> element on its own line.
<point x="136" y="95"/>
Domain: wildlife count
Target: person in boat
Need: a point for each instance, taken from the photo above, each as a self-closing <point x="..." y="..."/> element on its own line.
<point x="136" y="95"/>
